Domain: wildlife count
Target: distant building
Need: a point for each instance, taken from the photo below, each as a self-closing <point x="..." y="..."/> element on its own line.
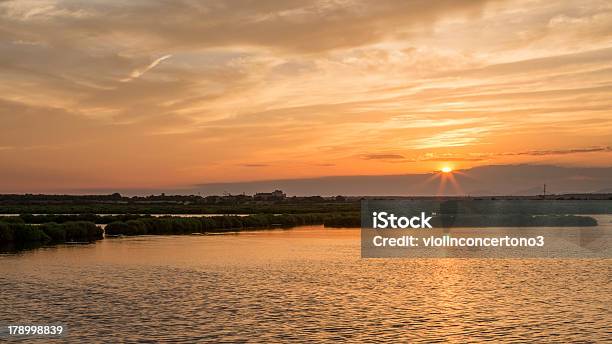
<point x="275" y="195"/>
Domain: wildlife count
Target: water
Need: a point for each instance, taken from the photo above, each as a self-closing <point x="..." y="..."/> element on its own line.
<point x="306" y="284"/>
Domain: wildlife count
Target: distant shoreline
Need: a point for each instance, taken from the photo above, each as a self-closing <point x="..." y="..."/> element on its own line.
<point x="14" y="231"/>
<point x="245" y="204"/>
<point x="73" y="218"/>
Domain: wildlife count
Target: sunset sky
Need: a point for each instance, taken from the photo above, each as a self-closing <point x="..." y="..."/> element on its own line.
<point x="154" y="94"/>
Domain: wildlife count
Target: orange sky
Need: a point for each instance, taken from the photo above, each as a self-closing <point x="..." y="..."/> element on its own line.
<point x="163" y="94"/>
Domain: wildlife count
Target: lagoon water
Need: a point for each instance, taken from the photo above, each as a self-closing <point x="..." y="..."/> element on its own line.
<point x="306" y="284"/>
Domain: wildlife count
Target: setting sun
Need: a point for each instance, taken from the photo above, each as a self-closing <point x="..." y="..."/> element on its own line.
<point x="446" y="169"/>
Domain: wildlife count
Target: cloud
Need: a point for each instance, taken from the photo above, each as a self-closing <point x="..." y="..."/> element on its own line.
<point x="383" y="157"/>
<point x="452" y="159"/>
<point x="449" y="157"/>
<point x="304" y="26"/>
<point x="137" y="73"/>
<point x="426" y="157"/>
<point x="453" y="138"/>
<point x="563" y="151"/>
<point x="297" y="82"/>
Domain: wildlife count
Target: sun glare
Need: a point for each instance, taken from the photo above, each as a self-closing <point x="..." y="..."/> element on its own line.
<point x="446" y="169"/>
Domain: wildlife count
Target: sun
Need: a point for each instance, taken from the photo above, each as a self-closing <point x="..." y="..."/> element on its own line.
<point x="446" y="169"/>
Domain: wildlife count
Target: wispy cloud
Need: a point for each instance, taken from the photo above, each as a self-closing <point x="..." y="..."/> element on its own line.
<point x="382" y="157"/>
<point x="489" y="156"/>
<point x="453" y="138"/>
<point x="452" y="159"/>
<point x="137" y="73"/>
<point x="563" y="151"/>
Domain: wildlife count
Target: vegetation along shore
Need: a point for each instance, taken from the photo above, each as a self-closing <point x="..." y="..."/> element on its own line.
<point x="68" y="219"/>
